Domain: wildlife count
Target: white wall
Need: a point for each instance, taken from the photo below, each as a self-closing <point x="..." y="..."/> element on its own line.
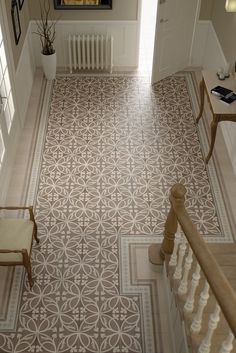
<point x="125" y="34"/>
<point x="225" y="26"/>
<point x="24" y="76"/>
<point x="207" y="53"/>
<point x="122" y="10"/>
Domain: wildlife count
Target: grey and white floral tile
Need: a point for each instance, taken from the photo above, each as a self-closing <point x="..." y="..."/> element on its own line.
<point x="113" y="147"/>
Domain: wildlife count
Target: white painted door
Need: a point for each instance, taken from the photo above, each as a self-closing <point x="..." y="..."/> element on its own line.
<point x="173" y="39"/>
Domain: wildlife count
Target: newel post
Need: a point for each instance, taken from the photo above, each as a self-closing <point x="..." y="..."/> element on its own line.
<point x="156" y="252"/>
<point x="177" y="198"/>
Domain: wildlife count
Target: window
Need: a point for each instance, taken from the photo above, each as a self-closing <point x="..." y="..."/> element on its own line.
<point x="7" y="108"/>
<point x="6" y="100"/>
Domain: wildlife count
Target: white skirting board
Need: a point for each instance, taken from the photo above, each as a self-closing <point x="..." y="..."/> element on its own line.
<point x="207" y="53"/>
<point x="125" y="34"/>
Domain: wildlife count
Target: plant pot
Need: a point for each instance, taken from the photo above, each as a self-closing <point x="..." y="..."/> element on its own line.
<point x="49" y="63"/>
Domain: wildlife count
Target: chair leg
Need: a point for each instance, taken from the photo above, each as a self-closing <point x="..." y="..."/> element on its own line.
<point x="35" y="233"/>
<point x="35" y="225"/>
<point x="27" y="265"/>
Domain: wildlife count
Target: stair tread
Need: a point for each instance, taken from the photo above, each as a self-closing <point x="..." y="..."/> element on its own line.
<point x="219" y="248"/>
<point x="224" y="259"/>
<point x="230" y="272"/>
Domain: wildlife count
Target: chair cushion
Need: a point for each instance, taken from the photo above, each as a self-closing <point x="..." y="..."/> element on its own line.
<point x="15" y="234"/>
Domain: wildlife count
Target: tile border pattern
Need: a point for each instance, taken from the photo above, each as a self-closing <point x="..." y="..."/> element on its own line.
<point x="14" y="289"/>
<point x="144" y="288"/>
<point x="213" y="176"/>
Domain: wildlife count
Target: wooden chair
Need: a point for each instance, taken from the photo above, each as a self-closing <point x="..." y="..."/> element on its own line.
<point x="16" y="239"/>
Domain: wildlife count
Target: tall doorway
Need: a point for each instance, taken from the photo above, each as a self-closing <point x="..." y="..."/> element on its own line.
<point x="175" y="27"/>
<point x="147" y="36"/>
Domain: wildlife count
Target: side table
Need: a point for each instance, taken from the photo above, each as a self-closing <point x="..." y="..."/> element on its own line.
<point x="220" y="111"/>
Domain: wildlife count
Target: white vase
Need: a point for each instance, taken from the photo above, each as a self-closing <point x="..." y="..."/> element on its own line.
<point x="49" y="63"/>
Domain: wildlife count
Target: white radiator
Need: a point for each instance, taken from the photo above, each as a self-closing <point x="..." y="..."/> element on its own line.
<point x="90" y="52"/>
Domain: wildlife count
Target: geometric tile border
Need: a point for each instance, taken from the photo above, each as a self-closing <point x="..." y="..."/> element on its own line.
<point x="146" y="288"/>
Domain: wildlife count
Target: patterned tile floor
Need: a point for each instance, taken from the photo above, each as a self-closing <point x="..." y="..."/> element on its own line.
<point x="113" y="148"/>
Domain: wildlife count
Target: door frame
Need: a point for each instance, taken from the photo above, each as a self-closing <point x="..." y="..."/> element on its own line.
<point x="199" y="3"/>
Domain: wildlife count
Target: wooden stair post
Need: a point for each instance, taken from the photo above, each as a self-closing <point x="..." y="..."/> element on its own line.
<point x="156" y="252"/>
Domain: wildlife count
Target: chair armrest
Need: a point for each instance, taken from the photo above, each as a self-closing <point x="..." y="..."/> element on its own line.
<point x="15" y="208"/>
<point x="6" y="251"/>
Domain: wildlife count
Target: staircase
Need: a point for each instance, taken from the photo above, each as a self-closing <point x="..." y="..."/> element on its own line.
<point x="200" y="281"/>
<point x="225" y="255"/>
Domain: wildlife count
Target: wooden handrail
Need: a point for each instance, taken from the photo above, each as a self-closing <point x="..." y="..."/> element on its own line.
<point x="224" y="293"/>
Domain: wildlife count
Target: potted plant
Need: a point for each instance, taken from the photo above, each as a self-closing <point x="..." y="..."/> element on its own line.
<point x="46" y="32"/>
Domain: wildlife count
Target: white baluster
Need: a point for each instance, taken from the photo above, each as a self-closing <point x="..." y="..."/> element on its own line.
<point x="183" y="287"/>
<point x="205" y="346"/>
<point x="173" y="259"/>
<point x="197" y="321"/>
<point x="179" y="267"/>
<point x="227" y="345"/>
<point x="189" y="305"/>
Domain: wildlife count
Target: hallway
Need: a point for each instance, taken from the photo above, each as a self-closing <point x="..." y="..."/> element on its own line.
<point x="113" y="148"/>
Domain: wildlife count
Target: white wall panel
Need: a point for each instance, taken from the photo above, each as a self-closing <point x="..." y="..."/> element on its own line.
<point x="207" y="51"/>
<point x="213" y="57"/>
<point x="125" y="34"/>
<point x="199" y="43"/>
<point x="24" y="77"/>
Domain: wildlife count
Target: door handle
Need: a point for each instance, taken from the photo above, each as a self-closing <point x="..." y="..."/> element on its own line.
<point x="162" y="20"/>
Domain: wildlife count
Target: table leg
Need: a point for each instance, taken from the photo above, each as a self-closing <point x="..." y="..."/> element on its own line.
<point x="201" y="100"/>
<point x="214" y="125"/>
